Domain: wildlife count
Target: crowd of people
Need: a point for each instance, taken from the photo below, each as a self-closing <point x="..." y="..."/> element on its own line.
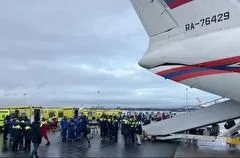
<point x="19" y="133"/>
<point x="78" y="128"/>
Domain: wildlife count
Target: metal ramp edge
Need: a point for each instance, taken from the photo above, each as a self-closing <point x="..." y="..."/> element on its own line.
<point x="193" y="119"/>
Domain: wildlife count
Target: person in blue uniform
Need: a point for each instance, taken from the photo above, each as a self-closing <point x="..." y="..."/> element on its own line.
<point x="71" y="130"/>
<point x="78" y="128"/>
<point x="64" y="128"/>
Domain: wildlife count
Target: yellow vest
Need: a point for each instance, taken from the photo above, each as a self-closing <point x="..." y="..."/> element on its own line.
<point x="27" y="127"/>
<point x="17" y="127"/>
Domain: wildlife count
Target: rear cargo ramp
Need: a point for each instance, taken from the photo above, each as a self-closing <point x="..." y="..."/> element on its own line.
<point x="213" y="114"/>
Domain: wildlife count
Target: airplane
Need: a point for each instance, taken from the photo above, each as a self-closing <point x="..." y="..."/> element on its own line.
<point x="195" y="43"/>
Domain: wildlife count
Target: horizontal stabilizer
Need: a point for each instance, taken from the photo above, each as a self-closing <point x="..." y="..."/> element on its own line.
<point x="213" y="114"/>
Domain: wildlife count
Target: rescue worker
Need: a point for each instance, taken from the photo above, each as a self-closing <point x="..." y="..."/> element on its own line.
<point x="109" y="127"/>
<point x="122" y="125"/>
<point x="22" y="124"/>
<point x="6" y="131"/>
<point x="26" y="120"/>
<point x="36" y="135"/>
<point x="103" y="127"/>
<point x="71" y="130"/>
<point x="6" y="126"/>
<point x="78" y="128"/>
<point x="126" y="130"/>
<point x="115" y="128"/>
<point x="64" y="128"/>
<point x="138" y="131"/>
<point x="28" y="137"/>
<point x="16" y="136"/>
<point x="85" y="130"/>
<point x="132" y="129"/>
<point x="44" y="127"/>
<point x="13" y="123"/>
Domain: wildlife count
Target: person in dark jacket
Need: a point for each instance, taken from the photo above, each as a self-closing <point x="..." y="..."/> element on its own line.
<point x="115" y="129"/>
<point x="103" y="127"/>
<point x="85" y="130"/>
<point x="126" y="130"/>
<point x="109" y="127"/>
<point x="22" y="124"/>
<point x="16" y="136"/>
<point x="36" y="136"/>
<point x="7" y="126"/>
<point x="132" y="129"/>
<point x="28" y="136"/>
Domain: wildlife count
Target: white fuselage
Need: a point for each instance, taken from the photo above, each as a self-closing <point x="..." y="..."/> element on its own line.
<point x="221" y="48"/>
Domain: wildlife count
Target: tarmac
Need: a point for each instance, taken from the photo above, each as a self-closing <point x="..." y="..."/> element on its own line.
<point x="119" y="149"/>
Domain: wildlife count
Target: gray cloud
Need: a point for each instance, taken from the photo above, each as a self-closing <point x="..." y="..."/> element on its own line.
<point x="63" y="52"/>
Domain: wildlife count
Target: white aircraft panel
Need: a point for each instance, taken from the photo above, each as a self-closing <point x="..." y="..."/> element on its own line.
<point x="153" y="16"/>
<point x="213" y="114"/>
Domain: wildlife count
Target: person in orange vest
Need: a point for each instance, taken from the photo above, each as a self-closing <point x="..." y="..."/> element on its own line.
<point x="44" y="130"/>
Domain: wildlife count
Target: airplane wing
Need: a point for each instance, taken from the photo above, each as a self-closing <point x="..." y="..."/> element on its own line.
<point x="194" y="119"/>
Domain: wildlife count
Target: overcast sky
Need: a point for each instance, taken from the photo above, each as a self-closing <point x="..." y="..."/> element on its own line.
<point x="62" y="52"/>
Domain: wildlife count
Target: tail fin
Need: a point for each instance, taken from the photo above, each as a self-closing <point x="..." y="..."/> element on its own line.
<point x="191" y="17"/>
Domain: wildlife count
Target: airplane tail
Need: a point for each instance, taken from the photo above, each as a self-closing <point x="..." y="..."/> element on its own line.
<point x="188" y="17"/>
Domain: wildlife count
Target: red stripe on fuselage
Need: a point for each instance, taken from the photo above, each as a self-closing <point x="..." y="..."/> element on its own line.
<point x="177" y="3"/>
<point x="198" y="74"/>
<point x="219" y="62"/>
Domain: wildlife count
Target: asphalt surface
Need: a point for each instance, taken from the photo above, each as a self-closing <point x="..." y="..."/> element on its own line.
<point x="119" y="149"/>
<point x="97" y="149"/>
<point x="207" y="149"/>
